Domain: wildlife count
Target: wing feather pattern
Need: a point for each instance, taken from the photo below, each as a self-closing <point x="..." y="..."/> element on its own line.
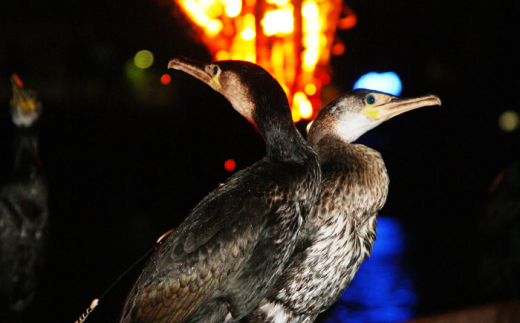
<point x="211" y="245"/>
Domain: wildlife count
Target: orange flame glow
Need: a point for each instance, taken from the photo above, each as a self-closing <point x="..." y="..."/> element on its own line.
<point x="17" y="79"/>
<point x="292" y="39"/>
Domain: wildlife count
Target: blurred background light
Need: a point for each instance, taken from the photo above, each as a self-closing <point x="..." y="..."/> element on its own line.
<point x="229" y="165"/>
<point x="143" y="59"/>
<point x="308" y="127"/>
<point x="383" y="290"/>
<point x="388" y="82"/>
<point x="310" y="89"/>
<point x="293" y="40"/>
<point x="165" y="79"/>
<point x="113" y="120"/>
<point x="508" y="121"/>
<point x="136" y="76"/>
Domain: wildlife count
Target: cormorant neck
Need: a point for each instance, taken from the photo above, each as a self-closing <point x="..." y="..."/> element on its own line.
<point x="322" y="126"/>
<point x="287" y="145"/>
<point x="284" y="142"/>
<point x="329" y="147"/>
<point x="25" y="149"/>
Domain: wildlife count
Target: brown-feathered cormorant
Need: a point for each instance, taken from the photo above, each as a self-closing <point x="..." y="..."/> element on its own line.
<point x="342" y="227"/>
<point x="23" y="206"/>
<point x="221" y="261"/>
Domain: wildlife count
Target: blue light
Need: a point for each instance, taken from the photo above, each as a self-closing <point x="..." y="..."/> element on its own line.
<point x="387" y="82"/>
<point x="382" y="290"/>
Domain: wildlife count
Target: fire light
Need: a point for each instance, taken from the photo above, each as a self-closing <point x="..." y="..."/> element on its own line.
<point x="292" y="39"/>
<point x="278" y="22"/>
<point x="17" y="79"/>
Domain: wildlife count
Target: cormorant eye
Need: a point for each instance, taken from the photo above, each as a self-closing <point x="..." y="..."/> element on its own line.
<point x="370" y="99"/>
<point x="216" y="70"/>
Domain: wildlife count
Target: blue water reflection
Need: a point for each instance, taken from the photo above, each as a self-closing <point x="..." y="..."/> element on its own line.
<point x="382" y="290"/>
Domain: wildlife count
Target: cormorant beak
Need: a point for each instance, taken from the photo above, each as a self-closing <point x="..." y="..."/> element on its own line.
<point x="397" y="106"/>
<point x="199" y="71"/>
<point x="22" y="98"/>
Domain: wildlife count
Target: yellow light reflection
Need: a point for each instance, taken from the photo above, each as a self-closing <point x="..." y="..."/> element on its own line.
<point x="248" y="34"/>
<point x="249" y="20"/>
<point x="311" y="41"/>
<point x="310" y="10"/>
<point x="211" y="26"/>
<point x="279" y="3"/>
<point x="310" y="89"/>
<point x="266" y="33"/>
<point x="303" y="105"/>
<point x="211" y="7"/>
<point x="310" y="58"/>
<point x="222" y="55"/>
<point x="250" y="57"/>
<point x="233" y="7"/>
<point x="278" y="22"/>
<point x="295" y="115"/>
<point x="306" y="110"/>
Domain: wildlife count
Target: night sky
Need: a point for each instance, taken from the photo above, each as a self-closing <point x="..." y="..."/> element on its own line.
<point x="128" y="158"/>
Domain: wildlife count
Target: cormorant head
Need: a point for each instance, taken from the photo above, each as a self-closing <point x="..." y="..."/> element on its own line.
<point x="245" y="85"/>
<point x="354" y="113"/>
<point x="25" y="106"/>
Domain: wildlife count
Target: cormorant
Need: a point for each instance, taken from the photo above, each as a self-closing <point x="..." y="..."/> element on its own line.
<point x="340" y="230"/>
<point x="23" y="206"/>
<point x="221" y="261"/>
<point x="498" y="245"/>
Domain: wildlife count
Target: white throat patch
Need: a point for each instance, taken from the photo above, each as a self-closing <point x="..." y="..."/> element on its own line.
<point x="21" y="119"/>
<point x="354" y="126"/>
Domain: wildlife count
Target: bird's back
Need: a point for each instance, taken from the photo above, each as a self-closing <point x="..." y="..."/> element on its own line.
<point x="228" y="251"/>
<point x="341" y="229"/>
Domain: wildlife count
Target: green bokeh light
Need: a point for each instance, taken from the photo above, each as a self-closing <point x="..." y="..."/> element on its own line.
<point x="508" y="121"/>
<point x="143" y="59"/>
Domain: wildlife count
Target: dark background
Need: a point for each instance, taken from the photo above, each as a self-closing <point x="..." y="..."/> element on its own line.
<point x="128" y="157"/>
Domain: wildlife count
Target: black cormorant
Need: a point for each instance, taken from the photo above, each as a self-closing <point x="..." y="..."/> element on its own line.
<point x="342" y="227"/>
<point x="221" y="261"/>
<point x="498" y="245"/>
<point x="23" y="206"/>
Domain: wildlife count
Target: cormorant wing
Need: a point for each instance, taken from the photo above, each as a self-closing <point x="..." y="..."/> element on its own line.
<point x="212" y="244"/>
